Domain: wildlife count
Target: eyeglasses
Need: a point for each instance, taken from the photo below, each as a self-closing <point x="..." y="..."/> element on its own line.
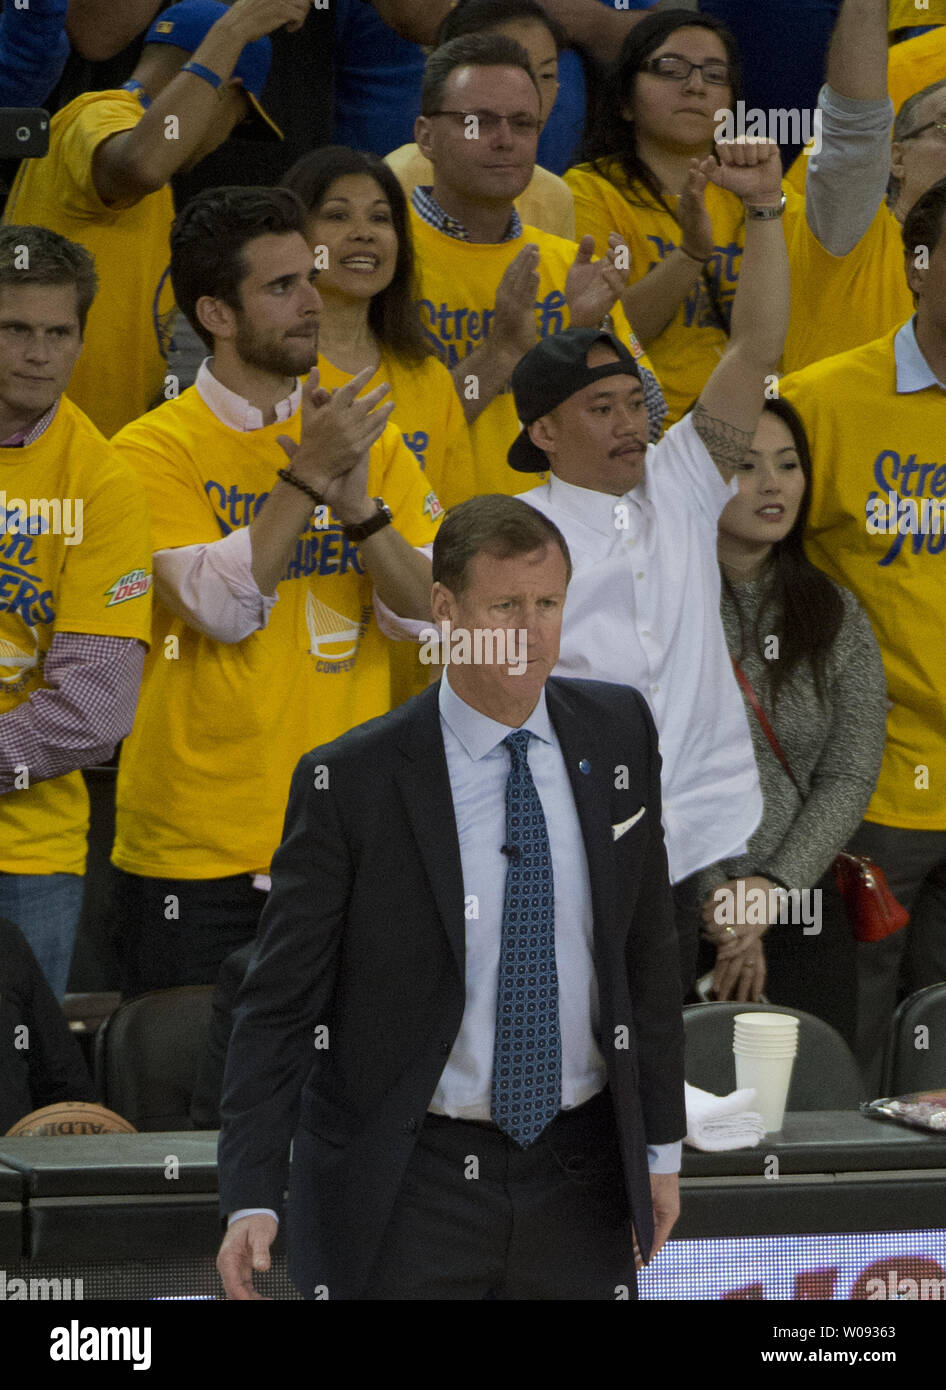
<point x="488" y="122"/>
<point x="938" y="126"/>
<point x="715" y="72"/>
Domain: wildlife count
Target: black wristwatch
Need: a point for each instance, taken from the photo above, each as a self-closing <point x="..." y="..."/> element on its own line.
<point x="363" y="529"/>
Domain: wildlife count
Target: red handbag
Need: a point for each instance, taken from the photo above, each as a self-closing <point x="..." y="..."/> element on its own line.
<point x="872" y="910"/>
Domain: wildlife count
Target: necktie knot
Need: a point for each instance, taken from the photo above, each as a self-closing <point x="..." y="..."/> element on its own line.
<point x="518" y="745"/>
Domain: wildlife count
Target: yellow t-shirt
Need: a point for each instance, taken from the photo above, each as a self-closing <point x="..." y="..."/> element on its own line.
<point x="797" y="171"/>
<point x="915" y="63"/>
<point x="122" y="367"/>
<point x="83" y="564"/>
<point x="458" y="282"/>
<point x="689" y="348"/>
<point x="912" y="14"/>
<point x="868" y="441"/>
<point x="842" y="302"/>
<point x="428" y="413"/>
<point x="204" y="777"/>
<point x="546" y="203"/>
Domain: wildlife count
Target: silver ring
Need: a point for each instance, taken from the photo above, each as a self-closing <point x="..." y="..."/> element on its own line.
<point x="730" y="931"/>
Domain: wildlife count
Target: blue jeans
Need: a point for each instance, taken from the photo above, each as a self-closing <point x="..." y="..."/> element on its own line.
<point x="46" y="908"/>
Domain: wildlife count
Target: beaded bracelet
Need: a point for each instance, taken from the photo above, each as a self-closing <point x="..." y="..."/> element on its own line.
<point x="288" y="477"/>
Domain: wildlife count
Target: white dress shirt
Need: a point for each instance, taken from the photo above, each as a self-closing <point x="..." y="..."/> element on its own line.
<point x="643" y="610"/>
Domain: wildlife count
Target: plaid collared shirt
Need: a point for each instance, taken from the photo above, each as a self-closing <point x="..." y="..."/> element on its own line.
<point x="429" y="210"/>
<point x="91" y="683"/>
<point x="30" y="436"/>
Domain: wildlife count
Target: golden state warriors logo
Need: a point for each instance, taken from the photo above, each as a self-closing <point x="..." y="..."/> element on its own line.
<point x="18" y="661"/>
<point x="332" y="636"/>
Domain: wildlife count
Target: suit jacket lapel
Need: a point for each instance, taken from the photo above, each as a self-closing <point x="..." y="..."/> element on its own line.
<point x="421" y="774"/>
<point x="592" y="792"/>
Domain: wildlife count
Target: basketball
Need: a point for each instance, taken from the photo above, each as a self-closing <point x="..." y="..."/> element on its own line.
<point x="70" y="1117"/>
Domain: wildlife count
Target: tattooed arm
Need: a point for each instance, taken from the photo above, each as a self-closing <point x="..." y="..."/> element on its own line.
<point x="728" y="410"/>
<point x="726" y="444"/>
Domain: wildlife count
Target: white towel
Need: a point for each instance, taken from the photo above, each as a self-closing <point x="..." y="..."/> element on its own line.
<point x="715" y="1123"/>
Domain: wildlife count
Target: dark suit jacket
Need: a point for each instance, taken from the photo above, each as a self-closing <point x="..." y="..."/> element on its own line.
<point x="363" y="937"/>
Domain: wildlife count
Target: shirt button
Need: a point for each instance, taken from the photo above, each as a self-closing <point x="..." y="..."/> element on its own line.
<point x="654" y="689"/>
<point x="639" y="574"/>
<point x="646" y="632"/>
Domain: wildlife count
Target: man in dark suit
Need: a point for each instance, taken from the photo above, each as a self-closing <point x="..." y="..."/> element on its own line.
<point x="464" y="1005"/>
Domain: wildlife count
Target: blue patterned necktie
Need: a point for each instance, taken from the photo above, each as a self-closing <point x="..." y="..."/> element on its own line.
<point x="527" y="1056"/>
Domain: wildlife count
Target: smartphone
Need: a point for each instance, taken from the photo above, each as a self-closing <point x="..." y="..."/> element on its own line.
<point x="24" y="132"/>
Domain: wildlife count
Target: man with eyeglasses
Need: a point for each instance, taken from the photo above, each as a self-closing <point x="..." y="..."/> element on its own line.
<point x="489" y="287"/>
<point x="876" y="418"/>
<point x="846" y="256"/>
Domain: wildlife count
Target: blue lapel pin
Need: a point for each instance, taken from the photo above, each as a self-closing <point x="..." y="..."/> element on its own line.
<point x="584" y="765"/>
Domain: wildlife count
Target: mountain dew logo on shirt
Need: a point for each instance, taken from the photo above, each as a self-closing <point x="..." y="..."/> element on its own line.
<point x="455" y="332"/>
<point x="908" y="505"/>
<point x="131" y="585"/>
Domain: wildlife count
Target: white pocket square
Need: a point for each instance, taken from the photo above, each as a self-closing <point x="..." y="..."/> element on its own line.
<point x="618" y="830"/>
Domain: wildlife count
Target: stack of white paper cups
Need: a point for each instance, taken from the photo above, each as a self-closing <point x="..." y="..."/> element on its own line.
<point x="764" y="1045"/>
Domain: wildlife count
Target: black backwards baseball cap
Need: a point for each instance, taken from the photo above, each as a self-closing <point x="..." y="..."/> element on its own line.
<point x="187" y="24"/>
<point x="552" y="371"/>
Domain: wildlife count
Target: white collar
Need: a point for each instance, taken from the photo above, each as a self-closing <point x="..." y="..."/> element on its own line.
<point x="478" y="733"/>
<point x="596" y="509"/>
<point x="231" y="409"/>
<point x="914" y="373"/>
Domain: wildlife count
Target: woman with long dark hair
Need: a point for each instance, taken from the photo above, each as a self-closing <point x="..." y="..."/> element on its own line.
<point x="807" y="650"/>
<point x="662" y="107"/>
<point x="358" y="228"/>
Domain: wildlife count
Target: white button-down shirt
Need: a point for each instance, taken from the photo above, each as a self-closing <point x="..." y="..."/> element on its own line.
<point x="643" y="610"/>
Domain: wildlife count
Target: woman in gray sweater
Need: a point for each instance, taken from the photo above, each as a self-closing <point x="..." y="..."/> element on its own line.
<point x="807" y="648"/>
